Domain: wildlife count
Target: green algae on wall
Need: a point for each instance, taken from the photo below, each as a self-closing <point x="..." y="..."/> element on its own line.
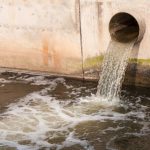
<point x="93" y="62"/>
<point x="97" y="61"/>
<point x="140" y="61"/>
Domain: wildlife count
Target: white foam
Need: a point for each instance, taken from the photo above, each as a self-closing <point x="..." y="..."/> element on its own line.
<point x="35" y="115"/>
<point x="40" y="80"/>
<point x="39" y="116"/>
<point x="2" y="80"/>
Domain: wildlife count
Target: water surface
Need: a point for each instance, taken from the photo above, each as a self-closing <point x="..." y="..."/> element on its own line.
<point x="60" y="114"/>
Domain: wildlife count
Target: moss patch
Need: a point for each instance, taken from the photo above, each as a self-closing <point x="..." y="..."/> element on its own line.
<point x="140" y="61"/>
<point x="96" y="61"/>
<point x="93" y="62"/>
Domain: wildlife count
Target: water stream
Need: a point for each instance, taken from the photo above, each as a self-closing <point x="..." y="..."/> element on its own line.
<point x="113" y="69"/>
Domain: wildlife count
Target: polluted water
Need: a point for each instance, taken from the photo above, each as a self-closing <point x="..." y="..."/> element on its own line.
<point x="67" y="115"/>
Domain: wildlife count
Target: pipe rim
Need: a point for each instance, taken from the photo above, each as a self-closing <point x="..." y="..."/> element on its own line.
<point x="121" y="23"/>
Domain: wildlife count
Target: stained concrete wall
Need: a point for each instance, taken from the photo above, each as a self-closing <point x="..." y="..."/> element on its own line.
<point x="68" y="37"/>
<point x="40" y="35"/>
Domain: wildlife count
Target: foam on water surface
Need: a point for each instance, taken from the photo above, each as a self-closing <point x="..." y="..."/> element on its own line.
<point x="50" y="119"/>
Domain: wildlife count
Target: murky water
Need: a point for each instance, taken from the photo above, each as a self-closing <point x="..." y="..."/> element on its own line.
<point x="66" y="115"/>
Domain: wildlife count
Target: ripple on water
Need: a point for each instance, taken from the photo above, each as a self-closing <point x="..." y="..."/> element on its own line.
<point x="57" y="119"/>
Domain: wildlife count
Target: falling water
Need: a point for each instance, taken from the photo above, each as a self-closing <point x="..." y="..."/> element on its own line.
<point x="113" y="69"/>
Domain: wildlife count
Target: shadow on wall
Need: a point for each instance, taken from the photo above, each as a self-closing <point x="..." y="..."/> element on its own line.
<point x="132" y="68"/>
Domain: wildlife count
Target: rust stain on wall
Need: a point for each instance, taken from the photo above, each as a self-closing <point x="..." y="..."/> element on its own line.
<point x="62" y="51"/>
<point x="55" y="55"/>
<point x="99" y="5"/>
<point x="45" y="50"/>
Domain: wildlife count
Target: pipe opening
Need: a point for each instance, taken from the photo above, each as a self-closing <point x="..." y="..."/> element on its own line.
<point x="124" y="28"/>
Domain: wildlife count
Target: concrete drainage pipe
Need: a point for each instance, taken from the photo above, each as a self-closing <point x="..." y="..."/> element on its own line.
<point x="124" y="27"/>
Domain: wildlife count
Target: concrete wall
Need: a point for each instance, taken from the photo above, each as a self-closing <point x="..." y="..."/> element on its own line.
<point x="40" y="35"/>
<point x="68" y="37"/>
<point x="96" y="37"/>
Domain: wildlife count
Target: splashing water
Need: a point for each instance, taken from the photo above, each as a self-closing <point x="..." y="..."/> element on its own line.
<point x="113" y="69"/>
<point x="64" y="116"/>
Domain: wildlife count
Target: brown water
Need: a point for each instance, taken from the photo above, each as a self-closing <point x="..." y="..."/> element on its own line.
<point x="59" y="114"/>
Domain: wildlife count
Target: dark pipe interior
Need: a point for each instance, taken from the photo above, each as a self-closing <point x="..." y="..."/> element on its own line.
<point x="124" y="28"/>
